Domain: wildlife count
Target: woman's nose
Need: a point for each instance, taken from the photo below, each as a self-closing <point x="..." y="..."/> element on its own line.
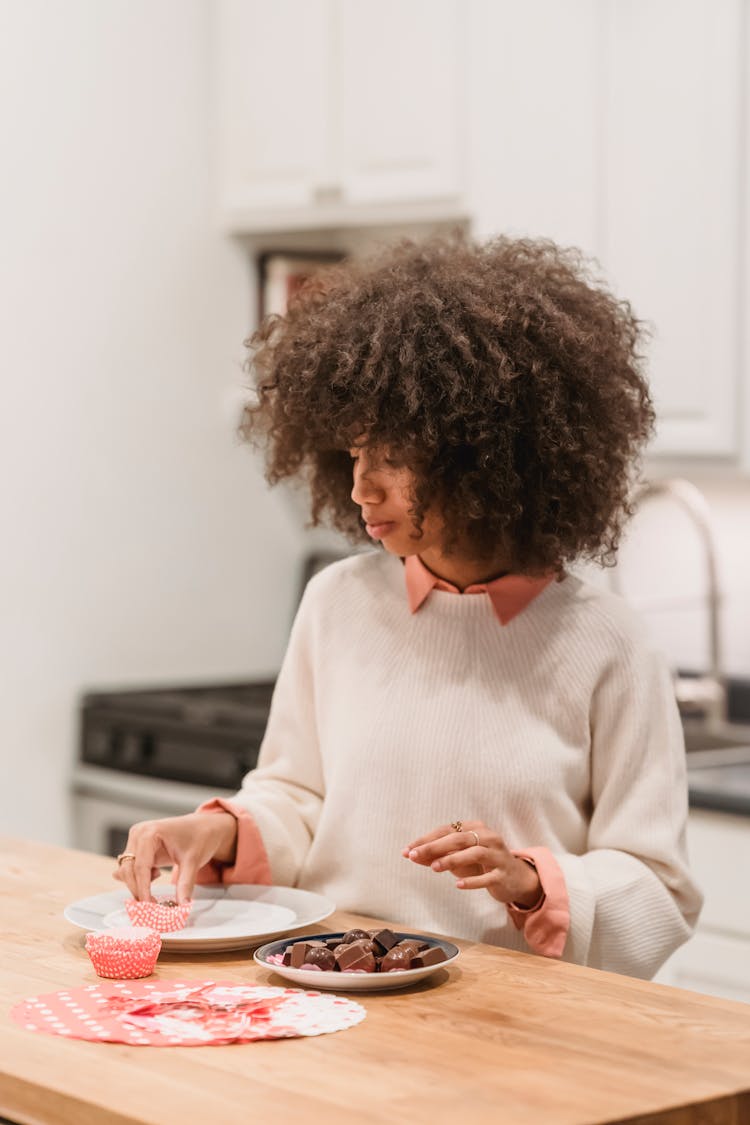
<point x="365" y="488"/>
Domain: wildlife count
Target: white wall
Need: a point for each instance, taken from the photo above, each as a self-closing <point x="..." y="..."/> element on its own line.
<point x="139" y="542"/>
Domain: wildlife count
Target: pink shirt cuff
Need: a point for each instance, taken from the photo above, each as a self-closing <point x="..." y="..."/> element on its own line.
<point x="546" y="926"/>
<point x="251" y="860"/>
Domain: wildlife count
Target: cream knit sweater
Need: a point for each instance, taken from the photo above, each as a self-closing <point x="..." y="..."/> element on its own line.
<point x="559" y="729"/>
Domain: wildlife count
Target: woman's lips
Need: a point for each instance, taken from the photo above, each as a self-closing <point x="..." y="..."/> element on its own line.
<point x="379" y="530"/>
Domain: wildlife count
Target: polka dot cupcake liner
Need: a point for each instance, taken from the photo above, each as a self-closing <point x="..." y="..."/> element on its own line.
<point x="123" y="952"/>
<point x="185" y="1013"/>
<point x="164" y="915"/>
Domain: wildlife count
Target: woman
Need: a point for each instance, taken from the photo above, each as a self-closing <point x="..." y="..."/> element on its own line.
<point x="464" y="737"/>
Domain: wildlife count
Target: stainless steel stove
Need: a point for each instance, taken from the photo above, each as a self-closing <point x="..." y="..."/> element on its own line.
<point x="152" y="753"/>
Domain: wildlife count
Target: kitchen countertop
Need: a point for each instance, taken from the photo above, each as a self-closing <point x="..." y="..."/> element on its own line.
<point x="498" y="1037"/>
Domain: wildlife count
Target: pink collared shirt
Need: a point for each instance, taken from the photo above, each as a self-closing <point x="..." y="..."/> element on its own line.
<point x="509" y="595"/>
<point x="545" y="925"/>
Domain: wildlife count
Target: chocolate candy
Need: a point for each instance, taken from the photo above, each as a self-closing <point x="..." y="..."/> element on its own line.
<point x="383" y="940"/>
<point x="356" y="959"/>
<point x="379" y="951"/>
<point x="354" y="935"/>
<point x="301" y="950"/>
<point x="321" y="956"/>
<point x="352" y="951"/>
<point x="396" y="960"/>
<point x="411" y="945"/>
<point x="431" y="956"/>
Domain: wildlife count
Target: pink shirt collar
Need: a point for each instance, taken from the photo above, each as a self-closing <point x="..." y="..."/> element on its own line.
<point x="509" y="595"/>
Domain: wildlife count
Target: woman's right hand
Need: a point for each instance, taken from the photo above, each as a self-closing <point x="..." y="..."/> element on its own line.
<point x="186" y="841"/>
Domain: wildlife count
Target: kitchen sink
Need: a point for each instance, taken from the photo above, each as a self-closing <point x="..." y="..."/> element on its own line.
<point x="703" y="737"/>
<point x="718" y="761"/>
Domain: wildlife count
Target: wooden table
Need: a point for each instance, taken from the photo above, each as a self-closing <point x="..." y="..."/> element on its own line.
<point x="500" y="1037"/>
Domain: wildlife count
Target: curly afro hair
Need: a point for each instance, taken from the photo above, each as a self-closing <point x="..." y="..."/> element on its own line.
<point x="504" y="374"/>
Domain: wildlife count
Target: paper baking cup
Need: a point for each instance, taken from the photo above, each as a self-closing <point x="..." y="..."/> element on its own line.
<point x="123" y="952"/>
<point x="161" y="915"/>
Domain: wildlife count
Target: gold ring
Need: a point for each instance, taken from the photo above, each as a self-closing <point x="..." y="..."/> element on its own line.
<point x="123" y="856"/>
<point x="457" y="825"/>
<point x="476" y="837"/>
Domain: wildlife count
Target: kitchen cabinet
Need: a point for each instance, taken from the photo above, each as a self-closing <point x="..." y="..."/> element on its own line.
<point x="671" y="201"/>
<point x="325" y="110"/>
<point x="716" y="960"/>
<point x="272" y="68"/>
<point x="617" y="127"/>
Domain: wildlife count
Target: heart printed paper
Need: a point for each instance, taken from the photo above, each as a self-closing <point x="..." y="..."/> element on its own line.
<point x="185" y="1013"/>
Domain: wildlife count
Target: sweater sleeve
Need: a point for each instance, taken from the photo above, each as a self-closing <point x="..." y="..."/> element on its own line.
<point x="284" y="794"/>
<point x="545" y="925"/>
<point x="631" y="896"/>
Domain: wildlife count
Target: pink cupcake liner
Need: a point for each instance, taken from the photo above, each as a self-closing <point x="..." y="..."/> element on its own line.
<point x="123" y="952"/>
<point x="164" y="915"/>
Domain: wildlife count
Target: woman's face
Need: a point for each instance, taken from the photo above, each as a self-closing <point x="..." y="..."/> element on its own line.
<point x="384" y="490"/>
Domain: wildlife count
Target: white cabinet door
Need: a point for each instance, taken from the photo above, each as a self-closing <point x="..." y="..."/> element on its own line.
<point x="717" y="964"/>
<point x="671" y="192"/>
<point x="274" y="102"/>
<point x="716" y="959"/>
<point x="719" y="852"/>
<point x="399" y="108"/>
<point x="324" y="104"/>
<point x="534" y="93"/>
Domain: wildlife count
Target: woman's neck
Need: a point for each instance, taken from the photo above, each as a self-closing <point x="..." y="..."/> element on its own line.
<point x="462" y="572"/>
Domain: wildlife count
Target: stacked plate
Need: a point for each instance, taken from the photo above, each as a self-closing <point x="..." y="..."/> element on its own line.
<point x="222" y="918"/>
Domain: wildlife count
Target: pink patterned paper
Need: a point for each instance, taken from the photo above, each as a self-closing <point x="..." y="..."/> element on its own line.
<point x="123" y="952"/>
<point x="164" y="914"/>
<point x="185" y="1013"/>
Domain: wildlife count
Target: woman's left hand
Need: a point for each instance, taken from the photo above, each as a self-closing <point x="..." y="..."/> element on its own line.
<point x="480" y="858"/>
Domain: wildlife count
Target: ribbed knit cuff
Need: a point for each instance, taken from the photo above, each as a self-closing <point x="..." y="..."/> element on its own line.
<point x="251" y="863"/>
<point x="545" y="926"/>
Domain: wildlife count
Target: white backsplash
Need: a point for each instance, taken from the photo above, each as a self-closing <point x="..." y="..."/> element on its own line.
<point x="662" y="570"/>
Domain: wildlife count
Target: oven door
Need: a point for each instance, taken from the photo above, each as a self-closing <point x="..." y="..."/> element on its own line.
<point x="106" y="803"/>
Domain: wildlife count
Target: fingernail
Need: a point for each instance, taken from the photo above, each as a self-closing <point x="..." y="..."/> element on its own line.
<point x="413" y="853"/>
<point x="460" y="883"/>
<point x="437" y="865"/>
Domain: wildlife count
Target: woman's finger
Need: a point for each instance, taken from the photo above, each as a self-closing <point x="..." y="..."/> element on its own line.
<point x="142" y="875"/>
<point x="126" y="874"/>
<point x="143" y="846"/>
<point x="495" y="881"/>
<point x="473" y="882"/>
<point x="120" y="872"/>
<point x="467" y="857"/>
<point x="188" y="870"/>
<point x="445" y="830"/>
<point x="451" y="842"/>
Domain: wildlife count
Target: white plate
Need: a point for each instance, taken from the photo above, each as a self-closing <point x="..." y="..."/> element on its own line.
<point x="353" y="982"/>
<point x="223" y="918"/>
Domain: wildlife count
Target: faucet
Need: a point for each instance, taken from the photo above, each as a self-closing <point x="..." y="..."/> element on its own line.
<point x="707" y="694"/>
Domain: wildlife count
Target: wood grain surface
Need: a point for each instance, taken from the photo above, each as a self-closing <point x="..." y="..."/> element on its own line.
<point x="500" y="1037"/>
